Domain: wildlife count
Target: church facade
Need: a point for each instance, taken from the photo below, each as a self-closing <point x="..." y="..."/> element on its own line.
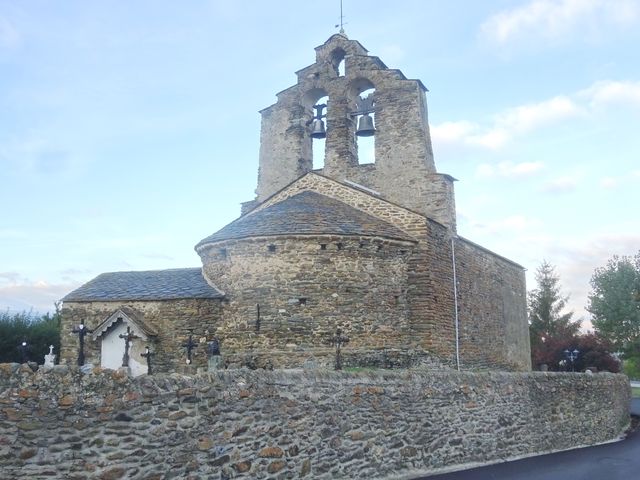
<point x="370" y="249"/>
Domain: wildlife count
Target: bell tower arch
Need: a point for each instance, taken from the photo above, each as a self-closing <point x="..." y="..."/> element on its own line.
<point x="403" y="169"/>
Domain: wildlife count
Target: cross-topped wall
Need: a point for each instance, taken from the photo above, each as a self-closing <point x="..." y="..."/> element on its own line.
<point x="403" y="172"/>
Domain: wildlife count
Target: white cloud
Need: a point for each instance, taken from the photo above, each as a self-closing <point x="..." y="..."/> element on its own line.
<point x="526" y="118"/>
<point x="609" y="92"/>
<point x="563" y="184"/>
<point x="511" y="223"/>
<point x="608" y="182"/>
<point x="25" y="294"/>
<point x="506" y="125"/>
<point x="509" y="170"/>
<point x="553" y="20"/>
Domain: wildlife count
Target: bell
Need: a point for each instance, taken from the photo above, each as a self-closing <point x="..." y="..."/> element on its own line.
<point x="365" y="126"/>
<point x="317" y="129"/>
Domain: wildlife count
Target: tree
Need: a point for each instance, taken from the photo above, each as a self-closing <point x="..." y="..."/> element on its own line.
<point x="547" y="324"/>
<point x="38" y="331"/>
<point x="614" y="303"/>
<point x="594" y="351"/>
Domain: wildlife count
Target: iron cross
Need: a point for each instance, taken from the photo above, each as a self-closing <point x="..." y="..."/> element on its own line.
<point x="190" y="345"/>
<point x="127" y="337"/>
<point x="338" y="341"/>
<point x="81" y="330"/>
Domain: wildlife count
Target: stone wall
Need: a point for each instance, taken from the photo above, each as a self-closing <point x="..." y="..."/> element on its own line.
<point x="268" y="425"/>
<point x="290" y="294"/>
<point x="172" y="319"/>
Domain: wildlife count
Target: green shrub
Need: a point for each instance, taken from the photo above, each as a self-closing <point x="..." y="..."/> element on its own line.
<point x="39" y="331"/>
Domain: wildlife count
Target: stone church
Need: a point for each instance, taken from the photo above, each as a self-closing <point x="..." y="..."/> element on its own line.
<point x="370" y="249"/>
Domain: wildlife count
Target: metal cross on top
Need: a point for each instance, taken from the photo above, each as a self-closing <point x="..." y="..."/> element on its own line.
<point x="338" y="341"/>
<point x="127" y="337"/>
<point x="190" y="345"/>
<point x="81" y="330"/>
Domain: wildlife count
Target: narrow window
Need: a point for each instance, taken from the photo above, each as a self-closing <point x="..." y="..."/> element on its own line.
<point x="302" y="301"/>
<point x="340" y="246"/>
<point x="323" y="246"/>
<point x="272" y="248"/>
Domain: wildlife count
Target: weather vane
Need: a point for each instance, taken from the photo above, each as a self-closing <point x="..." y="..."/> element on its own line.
<point x="341" y="24"/>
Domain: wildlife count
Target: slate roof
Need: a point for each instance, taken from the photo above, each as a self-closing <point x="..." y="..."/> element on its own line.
<point x="307" y="213"/>
<point x="147" y="285"/>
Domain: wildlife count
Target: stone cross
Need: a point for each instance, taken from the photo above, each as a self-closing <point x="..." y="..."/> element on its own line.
<point x="190" y="345"/>
<point x="81" y="330"/>
<point x="50" y="358"/>
<point x="127" y="337"/>
<point x="338" y="341"/>
<point x="148" y="354"/>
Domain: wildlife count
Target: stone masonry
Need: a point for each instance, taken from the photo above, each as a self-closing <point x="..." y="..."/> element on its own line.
<point x="307" y="424"/>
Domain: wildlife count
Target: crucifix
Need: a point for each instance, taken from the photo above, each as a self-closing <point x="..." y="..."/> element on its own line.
<point x="81" y="330"/>
<point x="190" y="345"/>
<point x="338" y="341"/>
<point x="148" y="354"/>
<point x="127" y="337"/>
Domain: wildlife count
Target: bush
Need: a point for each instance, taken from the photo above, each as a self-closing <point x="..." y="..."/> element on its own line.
<point x="38" y="331"/>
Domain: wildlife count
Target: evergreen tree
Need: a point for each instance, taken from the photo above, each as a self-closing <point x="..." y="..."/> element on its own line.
<point x="547" y="323"/>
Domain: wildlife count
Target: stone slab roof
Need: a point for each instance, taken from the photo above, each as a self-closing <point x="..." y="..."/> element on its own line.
<point x="307" y="213"/>
<point x="147" y="285"/>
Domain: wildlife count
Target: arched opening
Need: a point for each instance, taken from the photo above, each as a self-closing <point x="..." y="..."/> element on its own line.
<point x="314" y="101"/>
<point x="362" y="92"/>
<point x="337" y="60"/>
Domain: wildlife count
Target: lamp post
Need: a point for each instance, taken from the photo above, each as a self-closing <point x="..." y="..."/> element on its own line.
<point x="572" y="356"/>
<point x="23" y="348"/>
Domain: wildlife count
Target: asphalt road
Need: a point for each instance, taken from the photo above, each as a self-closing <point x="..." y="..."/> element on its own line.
<point x="613" y="461"/>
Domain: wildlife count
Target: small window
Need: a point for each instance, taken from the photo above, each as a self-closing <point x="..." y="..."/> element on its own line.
<point x="272" y="248"/>
<point x="302" y="301"/>
<point x="379" y="247"/>
<point x="223" y="252"/>
<point x="396" y="299"/>
<point x="340" y="246"/>
<point x="323" y="246"/>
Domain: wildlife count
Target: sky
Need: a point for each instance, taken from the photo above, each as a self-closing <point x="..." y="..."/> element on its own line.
<point x="129" y="131"/>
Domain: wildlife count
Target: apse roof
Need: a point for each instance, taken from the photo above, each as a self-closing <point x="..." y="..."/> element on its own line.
<point x="146" y="285"/>
<point x="307" y="213"/>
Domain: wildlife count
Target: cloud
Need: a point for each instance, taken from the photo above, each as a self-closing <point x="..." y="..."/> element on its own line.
<point x="506" y="125"/>
<point x="509" y="170"/>
<point x="564" y="184"/>
<point x="608" y="182"/>
<point x="555" y="20"/>
<point x="608" y="92"/>
<point x="519" y="223"/>
<point x="24" y="294"/>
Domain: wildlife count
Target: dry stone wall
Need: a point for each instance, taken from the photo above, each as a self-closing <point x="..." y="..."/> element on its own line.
<point x="286" y="424"/>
